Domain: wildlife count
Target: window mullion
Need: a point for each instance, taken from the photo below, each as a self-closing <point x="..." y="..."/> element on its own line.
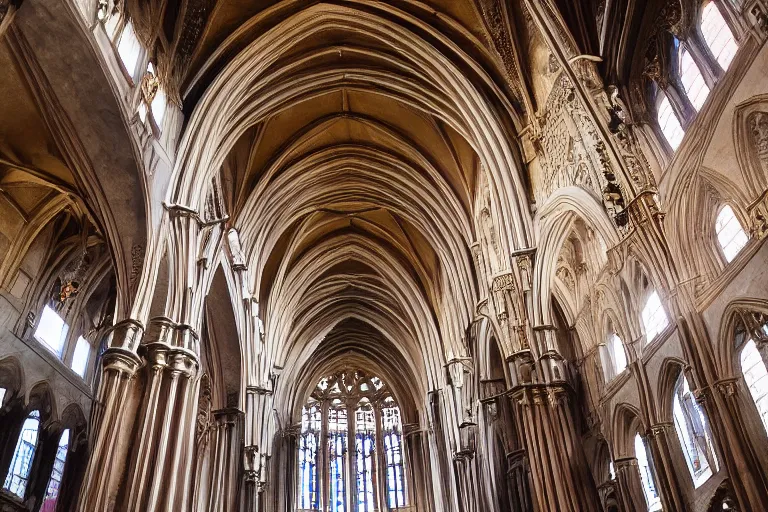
<point x="351" y="469"/>
<point x="323" y="472"/>
<point x="708" y="67"/>
<point x="379" y="462"/>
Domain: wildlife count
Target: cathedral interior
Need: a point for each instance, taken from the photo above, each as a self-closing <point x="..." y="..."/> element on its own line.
<point x="383" y="255"/>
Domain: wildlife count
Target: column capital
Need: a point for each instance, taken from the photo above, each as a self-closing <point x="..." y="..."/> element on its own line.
<point x="164" y="331"/>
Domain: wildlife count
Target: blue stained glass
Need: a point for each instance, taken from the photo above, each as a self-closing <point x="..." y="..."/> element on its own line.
<point x="394" y="460"/>
<point x="337" y="449"/>
<point x="23" y="455"/>
<point x="309" y="497"/>
<point x="365" y="443"/>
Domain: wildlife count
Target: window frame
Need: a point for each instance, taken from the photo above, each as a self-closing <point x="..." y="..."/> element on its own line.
<point x="661" y="96"/>
<point x="726" y="17"/>
<point x="659" y="332"/>
<point x="718" y="246"/>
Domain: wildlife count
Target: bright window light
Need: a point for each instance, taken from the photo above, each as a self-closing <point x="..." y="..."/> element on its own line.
<point x="81" y="356"/>
<point x="129" y="48"/>
<point x="756" y="377"/>
<point x="695" y="87"/>
<point x="717" y="35"/>
<point x="159" y="103"/>
<point x="23" y="456"/>
<point x="2" y="396"/>
<point x="693" y="434"/>
<point x="52" y="331"/>
<point x="54" y="483"/>
<point x="619" y="354"/>
<point x="654" y="317"/>
<point x="669" y="123"/>
<point x="646" y="476"/>
<point x="730" y="233"/>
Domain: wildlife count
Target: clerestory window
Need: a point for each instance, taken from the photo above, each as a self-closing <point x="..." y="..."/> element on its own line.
<point x="718" y="35"/>
<point x="654" y="317"/>
<point x="730" y="234"/>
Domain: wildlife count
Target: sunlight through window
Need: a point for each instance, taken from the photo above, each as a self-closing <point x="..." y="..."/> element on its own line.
<point x="654" y="317"/>
<point x="718" y="35"/>
<point x="52" y="331"/>
<point x="730" y="234"/>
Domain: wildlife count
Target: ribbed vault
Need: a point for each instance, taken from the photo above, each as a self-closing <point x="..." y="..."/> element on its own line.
<point x="351" y="144"/>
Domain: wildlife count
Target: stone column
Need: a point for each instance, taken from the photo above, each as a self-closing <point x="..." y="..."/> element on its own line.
<point x="112" y="418"/>
<point x="738" y="453"/>
<point x="630" y="486"/>
<point x="165" y="429"/>
<point x="518" y="489"/>
<point x="559" y="474"/>
<point x="226" y="466"/>
<point x="667" y="479"/>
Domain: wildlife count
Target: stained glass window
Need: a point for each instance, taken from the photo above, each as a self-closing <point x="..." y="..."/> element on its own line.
<point x="18" y="471"/>
<point x="393" y="442"/>
<point x="309" y="442"/>
<point x="52" y="492"/>
<point x="350" y="454"/>
<point x="365" y="442"/>
<point x="337" y="453"/>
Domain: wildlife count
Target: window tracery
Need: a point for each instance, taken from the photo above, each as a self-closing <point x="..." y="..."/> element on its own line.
<point x="756" y="377"/>
<point x="730" y="234"/>
<point x="362" y="426"/>
<point x="21" y="463"/>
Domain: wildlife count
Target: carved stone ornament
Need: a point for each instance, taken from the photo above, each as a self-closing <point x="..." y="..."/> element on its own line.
<point x="758" y="217"/>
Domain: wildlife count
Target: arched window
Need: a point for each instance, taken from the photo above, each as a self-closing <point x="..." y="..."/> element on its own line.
<point x="21" y="463"/>
<point x="358" y="413"/>
<point x="652" y="498"/>
<point x="393" y="448"/>
<point x="614" y="357"/>
<point x="693" y="433"/>
<point x="2" y="396"/>
<point x="730" y="233"/>
<point x="695" y="87"/>
<point x="80" y="357"/>
<point x="365" y="443"/>
<point x="718" y="35"/>
<point x="309" y="443"/>
<point x="756" y="377"/>
<point x="52" y="491"/>
<point x="52" y="331"/>
<point x="668" y="122"/>
<point x="129" y="48"/>
<point x="654" y="317"/>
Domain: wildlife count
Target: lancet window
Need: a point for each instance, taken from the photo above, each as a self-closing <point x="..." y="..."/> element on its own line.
<point x="654" y="317"/>
<point x="351" y="447"/>
<point x="54" y="483"/>
<point x="693" y="433"/>
<point x="718" y="35"/>
<point x="21" y="463"/>
<point x="730" y="233"/>
<point x="652" y="498"/>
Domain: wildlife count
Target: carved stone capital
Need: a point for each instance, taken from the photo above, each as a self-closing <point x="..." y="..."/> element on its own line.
<point x="163" y="330"/>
